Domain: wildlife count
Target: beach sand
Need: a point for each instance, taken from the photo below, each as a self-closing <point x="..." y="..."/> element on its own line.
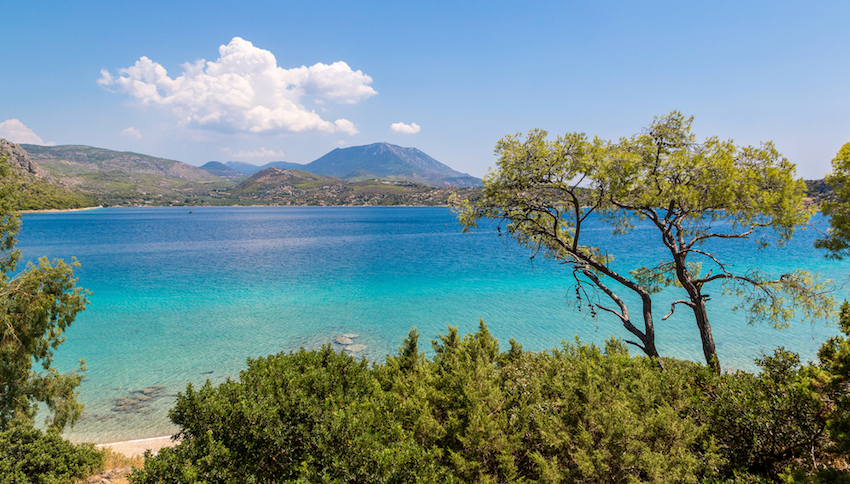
<point x="54" y="210"/>
<point x="132" y="448"/>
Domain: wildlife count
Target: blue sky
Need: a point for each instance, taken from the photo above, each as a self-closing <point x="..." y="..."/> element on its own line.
<point x="295" y="80"/>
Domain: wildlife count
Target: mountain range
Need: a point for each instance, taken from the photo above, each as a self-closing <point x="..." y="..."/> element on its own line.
<point x="381" y="161"/>
<point x="375" y="174"/>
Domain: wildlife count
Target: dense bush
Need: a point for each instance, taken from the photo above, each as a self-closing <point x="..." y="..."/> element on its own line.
<point x="764" y="422"/>
<point x="473" y="413"/>
<point x="28" y="455"/>
<point x="311" y="416"/>
<point x="577" y="413"/>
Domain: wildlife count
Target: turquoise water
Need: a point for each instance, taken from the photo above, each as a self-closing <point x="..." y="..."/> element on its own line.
<point x="183" y="297"/>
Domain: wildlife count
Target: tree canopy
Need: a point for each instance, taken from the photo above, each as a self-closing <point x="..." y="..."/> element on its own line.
<point x="36" y="306"/>
<point x="545" y="193"/>
<point x="837" y="239"/>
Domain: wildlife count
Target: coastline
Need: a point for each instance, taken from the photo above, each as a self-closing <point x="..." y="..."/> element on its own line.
<point x="133" y="448"/>
<point x="52" y="210"/>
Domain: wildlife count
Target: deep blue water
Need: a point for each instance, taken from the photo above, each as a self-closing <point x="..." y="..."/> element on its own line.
<point x="182" y="297"/>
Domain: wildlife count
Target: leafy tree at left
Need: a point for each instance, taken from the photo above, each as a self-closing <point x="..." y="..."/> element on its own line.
<point x="36" y="307"/>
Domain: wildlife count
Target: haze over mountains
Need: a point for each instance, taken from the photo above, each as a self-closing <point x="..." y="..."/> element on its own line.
<point x="376" y="161"/>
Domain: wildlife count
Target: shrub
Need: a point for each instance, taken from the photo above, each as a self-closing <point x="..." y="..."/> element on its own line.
<point x="765" y="421"/>
<point x="575" y="414"/>
<point x="310" y="415"/>
<point x="28" y="455"/>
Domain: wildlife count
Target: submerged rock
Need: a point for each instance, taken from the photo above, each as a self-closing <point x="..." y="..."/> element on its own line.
<point x="343" y="340"/>
<point x="138" y="401"/>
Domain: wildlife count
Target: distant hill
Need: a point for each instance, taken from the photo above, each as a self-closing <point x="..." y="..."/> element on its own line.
<point x="381" y="161"/>
<point x="390" y="162"/>
<point x="33" y="187"/>
<point x="220" y="169"/>
<point x="298" y="187"/>
<point x="818" y="191"/>
<point x="249" y="169"/>
<point x="121" y="176"/>
<point x="79" y="160"/>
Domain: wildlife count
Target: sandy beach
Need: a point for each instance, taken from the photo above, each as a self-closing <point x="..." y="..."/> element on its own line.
<point x="132" y="448"/>
<point x="52" y="210"/>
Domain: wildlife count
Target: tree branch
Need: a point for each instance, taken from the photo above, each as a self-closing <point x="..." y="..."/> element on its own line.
<point x="673" y="307"/>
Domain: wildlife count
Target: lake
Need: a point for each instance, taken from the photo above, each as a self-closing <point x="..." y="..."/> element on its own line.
<point x="186" y="294"/>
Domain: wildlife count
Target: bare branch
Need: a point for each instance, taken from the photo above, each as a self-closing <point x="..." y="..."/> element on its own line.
<point x="673" y="307"/>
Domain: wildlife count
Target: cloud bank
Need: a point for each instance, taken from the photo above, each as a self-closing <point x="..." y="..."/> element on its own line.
<point x="15" y="131"/>
<point x="411" y="128"/>
<point x="244" y="91"/>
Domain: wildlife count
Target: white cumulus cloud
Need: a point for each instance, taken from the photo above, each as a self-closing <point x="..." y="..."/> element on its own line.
<point x="132" y="133"/>
<point x="345" y="126"/>
<point x="411" y="128"/>
<point x="16" y="132"/>
<point x="244" y="90"/>
<point x="260" y="153"/>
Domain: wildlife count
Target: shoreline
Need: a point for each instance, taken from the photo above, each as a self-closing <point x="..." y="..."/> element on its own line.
<point x="133" y="448"/>
<point x="57" y="210"/>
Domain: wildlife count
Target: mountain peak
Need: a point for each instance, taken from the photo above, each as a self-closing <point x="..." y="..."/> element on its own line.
<point x="390" y="161"/>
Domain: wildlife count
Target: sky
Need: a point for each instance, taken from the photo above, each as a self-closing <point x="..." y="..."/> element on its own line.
<point x="262" y="81"/>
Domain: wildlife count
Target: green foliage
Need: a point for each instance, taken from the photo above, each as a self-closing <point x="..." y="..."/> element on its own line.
<point x="474" y="413"/>
<point x="837" y="209"/>
<point x="574" y="415"/>
<point x="28" y="455"/>
<point x="763" y="422"/>
<point x="307" y="416"/>
<point x="832" y="375"/>
<point x="36" y="306"/>
<point x="32" y="193"/>
<point x="544" y="191"/>
<point x="40" y="195"/>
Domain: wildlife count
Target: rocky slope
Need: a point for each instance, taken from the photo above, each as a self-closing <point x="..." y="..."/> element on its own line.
<point x="69" y="161"/>
<point x="119" y="177"/>
<point x="33" y="187"/>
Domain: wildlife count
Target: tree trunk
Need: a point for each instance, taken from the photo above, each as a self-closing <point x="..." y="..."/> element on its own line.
<point x="649" y="334"/>
<point x="708" y="348"/>
<point x="700" y="314"/>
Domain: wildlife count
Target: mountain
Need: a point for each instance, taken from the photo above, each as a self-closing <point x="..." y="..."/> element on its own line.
<point x="221" y="170"/>
<point x="249" y="169"/>
<point x="389" y="162"/>
<point x="381" y="161"/>
<point x="272" y="180"/>
<point x="79" y="160"/>
<point x="120" y="176"/>
<point x="34" y="187"/>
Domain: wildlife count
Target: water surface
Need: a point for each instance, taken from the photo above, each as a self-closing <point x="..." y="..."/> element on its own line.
<point x="181" y="297"/>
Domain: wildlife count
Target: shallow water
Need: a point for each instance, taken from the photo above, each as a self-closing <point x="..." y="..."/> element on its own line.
<point x="183" y="297"/>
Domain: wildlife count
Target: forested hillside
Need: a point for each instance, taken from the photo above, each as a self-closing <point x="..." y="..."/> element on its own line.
<point x="34" y="188"/>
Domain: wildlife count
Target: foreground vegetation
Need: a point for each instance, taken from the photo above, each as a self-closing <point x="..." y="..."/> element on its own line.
<point x="473" y="413"/>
